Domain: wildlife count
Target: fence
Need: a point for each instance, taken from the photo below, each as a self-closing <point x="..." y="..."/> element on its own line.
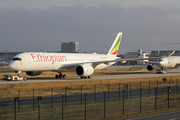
<point x="93" y="102"/>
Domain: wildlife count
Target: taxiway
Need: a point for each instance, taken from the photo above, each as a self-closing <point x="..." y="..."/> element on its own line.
<point x="172" y="72"/>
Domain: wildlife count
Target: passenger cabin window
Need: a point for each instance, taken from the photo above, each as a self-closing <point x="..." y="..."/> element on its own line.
<point x="17" y="59"/>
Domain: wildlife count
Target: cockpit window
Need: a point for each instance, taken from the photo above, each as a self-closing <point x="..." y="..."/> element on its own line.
<point x="160" y="60"/>
<point x="17" y="59"/>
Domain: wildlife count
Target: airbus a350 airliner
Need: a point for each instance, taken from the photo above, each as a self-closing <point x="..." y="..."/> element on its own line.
<point x="34" y="63"/>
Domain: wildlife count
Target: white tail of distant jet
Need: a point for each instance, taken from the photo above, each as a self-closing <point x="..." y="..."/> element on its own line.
<point x="34" y="63"/>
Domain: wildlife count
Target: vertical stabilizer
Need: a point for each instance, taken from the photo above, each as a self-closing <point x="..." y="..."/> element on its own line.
<point x="115" y="46"/>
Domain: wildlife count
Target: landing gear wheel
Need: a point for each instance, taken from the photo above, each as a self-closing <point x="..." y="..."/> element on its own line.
<point x="60" y="76"/>
<point x="163" y="71"/>
<point x="85" y="77"/>
<point x="64" y="76"/>
<point x="25" y="78"/>
<point x="15" y="79"/>
<point x="56" y="76"/>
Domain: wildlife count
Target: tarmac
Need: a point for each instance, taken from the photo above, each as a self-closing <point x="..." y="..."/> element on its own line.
<point x="171" y="72"/>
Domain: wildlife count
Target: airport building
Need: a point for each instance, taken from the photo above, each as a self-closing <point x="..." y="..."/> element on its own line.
<point x="6" y="57"/>
<point x="158" y="53"/>
<point x="71" y="47"/>
<point x="139" y="54"/>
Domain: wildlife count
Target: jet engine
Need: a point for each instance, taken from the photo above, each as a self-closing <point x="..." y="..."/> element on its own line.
<point x="84" y="70"/>
<point x="150" y="67"/>
<point x="33" y="73"/>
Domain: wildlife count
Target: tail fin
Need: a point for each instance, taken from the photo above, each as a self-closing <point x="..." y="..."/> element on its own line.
<point x="172" y="53"/>
<point x="115" y="46"/>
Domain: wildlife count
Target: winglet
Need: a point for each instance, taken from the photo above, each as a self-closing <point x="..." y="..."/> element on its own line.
<point x="172" y="53"/>
<point x="115" y="46"/>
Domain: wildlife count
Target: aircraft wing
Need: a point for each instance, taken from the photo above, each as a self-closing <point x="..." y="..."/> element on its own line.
<point x="135" y="59"/>
<point x="150" y="62"/>
<point x="73" y="66"/>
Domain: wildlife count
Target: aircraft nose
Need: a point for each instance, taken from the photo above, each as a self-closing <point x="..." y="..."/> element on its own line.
<point x="163" y="63"/>
<point x="13" y="66"/>
<point x="160" y="62"/>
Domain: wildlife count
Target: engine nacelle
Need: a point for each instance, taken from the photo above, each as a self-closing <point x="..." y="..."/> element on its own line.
<point x="150" y="67"/>
<point x="84" y="70"/>
<point x="33" y="73"/>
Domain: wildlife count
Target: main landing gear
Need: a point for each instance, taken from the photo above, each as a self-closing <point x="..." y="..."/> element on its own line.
<point x="60" y="76"/>
<point x="86" y="77"/>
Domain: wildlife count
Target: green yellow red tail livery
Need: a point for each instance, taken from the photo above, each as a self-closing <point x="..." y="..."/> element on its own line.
<point x="115" y="46"/>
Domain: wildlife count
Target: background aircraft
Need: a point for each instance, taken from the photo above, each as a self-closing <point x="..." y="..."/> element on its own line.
<point x="164" y="63"/>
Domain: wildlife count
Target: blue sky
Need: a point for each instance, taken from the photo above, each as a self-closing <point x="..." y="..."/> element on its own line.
<point x="42" y="25"/>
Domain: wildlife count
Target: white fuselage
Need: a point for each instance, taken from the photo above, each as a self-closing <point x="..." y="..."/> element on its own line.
<point x="39" y="61"/>
<point x="169" y="62"/>
<point x="34" y="63"/>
